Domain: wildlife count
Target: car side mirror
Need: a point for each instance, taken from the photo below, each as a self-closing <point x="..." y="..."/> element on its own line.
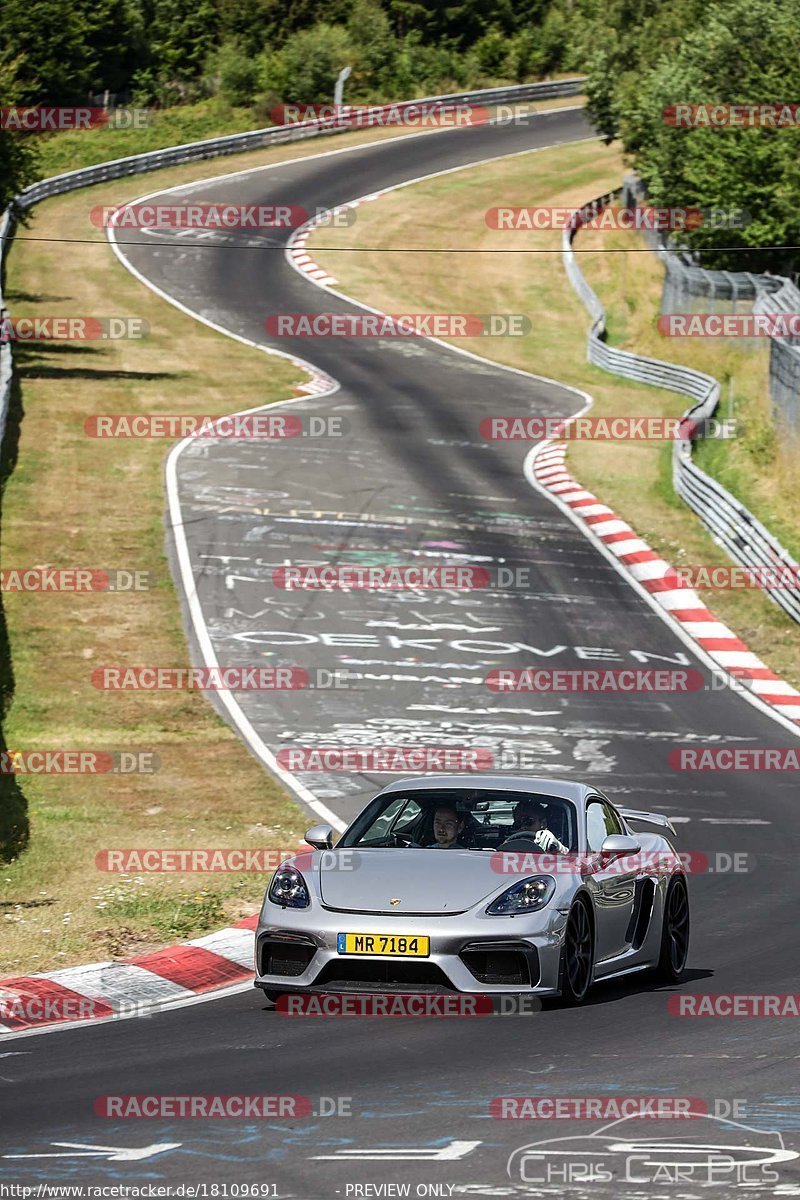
<point x="320" y="837"/>
<point x="619" y="845"/>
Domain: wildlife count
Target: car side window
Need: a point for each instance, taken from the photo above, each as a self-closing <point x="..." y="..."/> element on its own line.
<point x="397" y="815"/>
<point x="613" y="823"/>
<point x="601" y="822"/>
<point x="595" y="824"/>
<point x="408" y="817"/>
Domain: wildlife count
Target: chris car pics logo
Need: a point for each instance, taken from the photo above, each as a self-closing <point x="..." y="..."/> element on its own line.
<point x="713" y="1153"/>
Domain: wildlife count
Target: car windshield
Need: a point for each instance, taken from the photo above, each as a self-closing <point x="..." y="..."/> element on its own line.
<point x="467" y="819"/>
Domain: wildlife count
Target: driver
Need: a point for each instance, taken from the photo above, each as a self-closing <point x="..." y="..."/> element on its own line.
<point x="529" y="817"/>
<point x="448" y="824"/>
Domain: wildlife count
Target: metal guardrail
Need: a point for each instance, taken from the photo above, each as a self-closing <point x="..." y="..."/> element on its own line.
<point x="732" y="526"/>
<point x="784" y="353"/>
<point x="6" y="363"/>
<point x="275" y="135"/>
<point x="686" y="284"/>
<point x="237" y="143"/>
<point x="688" y="287"/>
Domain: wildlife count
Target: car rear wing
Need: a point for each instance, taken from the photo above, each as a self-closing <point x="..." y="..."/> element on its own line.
<point x="634" y="814"/>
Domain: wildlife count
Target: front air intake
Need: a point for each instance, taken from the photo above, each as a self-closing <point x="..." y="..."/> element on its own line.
<point x="505" y="964"/>
<point x="284" y="958"/>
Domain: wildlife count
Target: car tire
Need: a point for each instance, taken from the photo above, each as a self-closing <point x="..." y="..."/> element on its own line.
<point x="675" y="927"/>
<point x="577" y="955"/>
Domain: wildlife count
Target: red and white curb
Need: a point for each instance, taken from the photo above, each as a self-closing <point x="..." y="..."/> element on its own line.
<point x="303" y="261"/>
<point x="300" y="257"/>
<point x="108" y="991"/>
<point x="319" y="384"/>
<point x="657" y="577"/>
<point x="297" y="249"/>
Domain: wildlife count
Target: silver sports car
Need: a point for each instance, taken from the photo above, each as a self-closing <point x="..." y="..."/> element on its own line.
<point x="547" y="887"/>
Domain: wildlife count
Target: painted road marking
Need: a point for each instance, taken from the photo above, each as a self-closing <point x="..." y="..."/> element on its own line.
<point x="391" y="1154"/>
<point x="111" y="1153"/>
<point x="733" y="821"/>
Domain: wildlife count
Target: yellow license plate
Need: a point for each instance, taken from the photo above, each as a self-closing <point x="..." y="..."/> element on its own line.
<point x="389" y="944"/>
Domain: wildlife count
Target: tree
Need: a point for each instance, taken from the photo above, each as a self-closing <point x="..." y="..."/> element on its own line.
<point x="116" y="38"/>
<point x="311" y="60"/>
<point x="181" y="35"/>
<point x="377" y="50"/>
<point x="620" y="43"/>
<point x="744" y="52"/>
<point x="17" y="150"/>
<point x="56" y="63"/>
<point x="493" y="53"/>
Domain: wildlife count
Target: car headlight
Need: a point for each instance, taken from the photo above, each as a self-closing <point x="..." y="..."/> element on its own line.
<point x="526" y="896"/>
<point x="288" y="888"/>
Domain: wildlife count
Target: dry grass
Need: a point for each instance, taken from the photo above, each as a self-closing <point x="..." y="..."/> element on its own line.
<point x="75" y="501"/>
<point x="72" y="501"/>
<point x="632" y="477"/>
<point x="759" y="465"/>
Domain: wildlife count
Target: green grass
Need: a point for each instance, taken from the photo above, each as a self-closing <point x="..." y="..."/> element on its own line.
<point x="70" y="150"/>
<point x="181" y="915"/>
<point x="740" y="473"/>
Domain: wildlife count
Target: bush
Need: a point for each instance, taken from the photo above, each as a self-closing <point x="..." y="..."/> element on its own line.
<point x="377" y="50"/>
<point x="741" y="52"/>
<point x="309" y="64"/>
<point x="493" y="54"/>
<point x="235" y="73"/>
<point x="526" y="58"/>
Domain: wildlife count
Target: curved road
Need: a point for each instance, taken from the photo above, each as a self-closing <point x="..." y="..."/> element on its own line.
<point x="410" y="477"/>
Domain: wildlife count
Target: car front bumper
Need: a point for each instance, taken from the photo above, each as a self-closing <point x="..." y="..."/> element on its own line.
<point x="467" y="954"/>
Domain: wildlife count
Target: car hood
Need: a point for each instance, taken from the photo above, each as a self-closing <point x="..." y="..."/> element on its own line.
<point x="421" y="881"/>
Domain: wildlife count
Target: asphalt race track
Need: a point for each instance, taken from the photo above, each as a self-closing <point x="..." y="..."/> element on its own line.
<point x="411" y="474"/>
